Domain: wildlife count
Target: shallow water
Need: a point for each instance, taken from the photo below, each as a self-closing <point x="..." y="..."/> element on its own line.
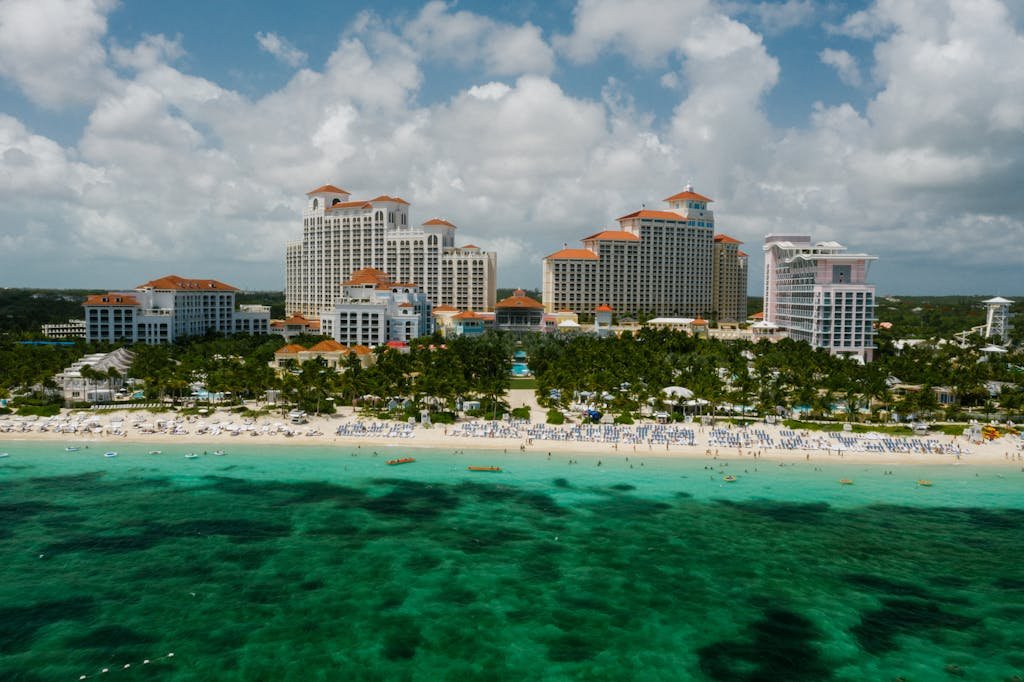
<point x="324" y="563"/>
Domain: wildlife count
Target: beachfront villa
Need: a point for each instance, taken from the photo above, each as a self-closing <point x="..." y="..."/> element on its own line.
<point x="665" y="262"/>
<point x="78" y="385"/>
<point x="373" y="310"/>
<point x="168" y="308"/>
<point x="341" y="236"/>
<point x="819" y="293"/>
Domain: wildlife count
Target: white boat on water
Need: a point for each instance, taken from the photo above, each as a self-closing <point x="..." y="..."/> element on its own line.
<point x="156" y="452"/>
<point x="110" y="454"/>
<point x="191" y="455"/>
<point x="71" y="448"/>
<point x="4" y="454"/>
<point x="219" y="453"/>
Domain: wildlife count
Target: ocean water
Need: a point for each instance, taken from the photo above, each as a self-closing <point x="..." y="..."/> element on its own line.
<point x="324" y="563"/>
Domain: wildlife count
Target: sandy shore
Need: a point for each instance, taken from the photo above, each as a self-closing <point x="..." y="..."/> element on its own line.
<point x="216" y="430"/>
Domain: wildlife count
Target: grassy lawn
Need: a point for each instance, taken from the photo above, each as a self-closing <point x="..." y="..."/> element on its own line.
<point x="525" y="382"/>
<point x="857" y="428"/>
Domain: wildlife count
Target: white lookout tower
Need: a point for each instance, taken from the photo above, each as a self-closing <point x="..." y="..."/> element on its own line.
<point x="997" y="319"/>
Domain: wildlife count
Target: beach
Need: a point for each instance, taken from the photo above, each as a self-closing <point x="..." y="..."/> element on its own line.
<point x="221" y="429"/>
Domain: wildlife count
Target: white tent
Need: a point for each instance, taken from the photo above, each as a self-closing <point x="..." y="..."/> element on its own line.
<point x="677" y="392"/>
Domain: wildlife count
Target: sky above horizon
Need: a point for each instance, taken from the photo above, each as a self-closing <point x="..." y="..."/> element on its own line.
<point x="139" y="139"/>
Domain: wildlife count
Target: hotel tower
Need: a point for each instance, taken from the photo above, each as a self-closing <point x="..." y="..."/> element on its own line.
<point x="819" y="293"/>
<point x="658" y="262"/>
<point x="341" y="236"/>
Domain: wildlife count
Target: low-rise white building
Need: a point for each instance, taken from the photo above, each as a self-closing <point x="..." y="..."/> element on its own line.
<point x="373" y="310"/>
<point x="93" y="388"/>
<point x="72" y="329"/>
<point x="168" y="308"/>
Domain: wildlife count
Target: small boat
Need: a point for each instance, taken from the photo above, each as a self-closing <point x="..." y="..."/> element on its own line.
<point x="71" y="448"/>
<point x="845" y="481"/>
<point x="729" y="479"/>
<point x="191" y="455"/>
<point x="219" y="453"/>
<point x="110" y="454"/>
<point x="156" y="452"/>
<point x="484" y="468"/>
<point x="401" y="460"/>
<point x="924" y="482"/>
<point x="4" y="454"/>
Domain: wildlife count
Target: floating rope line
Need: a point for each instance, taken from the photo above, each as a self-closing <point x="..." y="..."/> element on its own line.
<point x="127" y="666"/>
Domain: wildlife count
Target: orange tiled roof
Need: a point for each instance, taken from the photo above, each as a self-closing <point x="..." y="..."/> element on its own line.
<point x="112" y="299"/>
<point x="518" y="300"/>
<point x="176" y="283"/>
<point x="604" y="308"/>
<point x="726" y="239"/>
<point x="329" y="346"/>
<point x="699" y="322"/>
<point x="469" y="246"/>
<point x="688" y="194"/>
<point x="741" y="254"/>
<point x="385" y="197"/>
<point x="314" y="325"/>
<point x="349" y="204"/>
<point x="577" y="254"/>
<point x="444" y="308"/>
<point x="468" y="315"/>
<point x="406" y="305"/>
<point x="370" y="276"/>
<point x="290" y="349"/>
<point x="614" y="235"/>
<point x="361" y="350"/>
<point x="296" y="319"/>
<point x="327" y="188"/>
<point x="438" y="221"/>
<point x="758" y="316"/>
<point x="657" y="215"/>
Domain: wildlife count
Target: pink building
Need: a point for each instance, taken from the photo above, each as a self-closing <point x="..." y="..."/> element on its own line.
<point x="819" y="294"/>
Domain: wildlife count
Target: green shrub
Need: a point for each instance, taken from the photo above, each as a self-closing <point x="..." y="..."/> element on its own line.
<point x="521" y="412"/>
<point x="555" y="417"/>
<point x="624" y="418"/>
<point x="39" y="410"/>
<point x="81" y="405"/>
<point x="442" y="418"/>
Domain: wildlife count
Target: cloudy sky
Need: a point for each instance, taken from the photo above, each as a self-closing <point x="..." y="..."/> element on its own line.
<point x="139" y="139"/>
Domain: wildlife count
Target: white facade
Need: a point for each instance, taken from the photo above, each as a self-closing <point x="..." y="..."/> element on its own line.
<point x="656" y="263"/>
<point x="168" y="308"/>
<point x="372" y="310"/>
<point x="340" y="237"/>
<point x="75" y="388"/>
<point x="819" y="294"/>
<point x="72" y="329"/>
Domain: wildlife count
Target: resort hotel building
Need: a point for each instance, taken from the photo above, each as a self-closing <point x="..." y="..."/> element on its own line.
<point x="341" y="236"/>
<point x="658" y="262"/>
<point x="169" y="308"/>
<point x="372" y="310"/>
<point x="819" y="294"/>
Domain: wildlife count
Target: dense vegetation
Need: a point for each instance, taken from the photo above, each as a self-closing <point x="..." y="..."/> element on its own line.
<point x="631" y="371"/>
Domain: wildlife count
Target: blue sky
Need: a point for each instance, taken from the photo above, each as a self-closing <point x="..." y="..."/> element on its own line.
<point x="158" y="138"/>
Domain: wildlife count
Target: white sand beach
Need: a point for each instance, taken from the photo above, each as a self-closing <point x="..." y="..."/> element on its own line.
<point x="222" y="429"/>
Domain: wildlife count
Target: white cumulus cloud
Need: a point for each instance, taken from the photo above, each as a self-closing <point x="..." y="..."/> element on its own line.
<point x="280" y="48"/>
<point x="845" y="65"/>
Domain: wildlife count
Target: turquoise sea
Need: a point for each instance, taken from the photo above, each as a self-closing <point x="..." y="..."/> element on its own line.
<point x="323" y="563"/>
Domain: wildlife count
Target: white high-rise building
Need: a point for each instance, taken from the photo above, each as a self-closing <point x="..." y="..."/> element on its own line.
<point x="341" y="236"/>
<point x="819" y="294"/>
<point x="659" y="262"/>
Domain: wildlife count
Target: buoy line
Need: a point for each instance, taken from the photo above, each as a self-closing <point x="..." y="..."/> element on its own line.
<point x="127" y="666"/>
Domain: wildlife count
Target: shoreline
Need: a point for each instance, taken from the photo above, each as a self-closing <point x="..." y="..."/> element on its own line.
<point x="124" y="427"/>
